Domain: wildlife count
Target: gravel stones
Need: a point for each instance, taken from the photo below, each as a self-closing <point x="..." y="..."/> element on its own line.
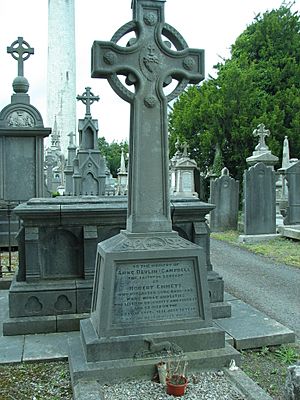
<point x="209" y="385"/>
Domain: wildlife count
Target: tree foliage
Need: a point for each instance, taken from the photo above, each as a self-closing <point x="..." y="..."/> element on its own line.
<point x="260" y="83"/>
<point x="112" y="152"/>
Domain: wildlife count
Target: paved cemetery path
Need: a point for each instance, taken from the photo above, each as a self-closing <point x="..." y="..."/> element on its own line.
<point x="271" y="288"/>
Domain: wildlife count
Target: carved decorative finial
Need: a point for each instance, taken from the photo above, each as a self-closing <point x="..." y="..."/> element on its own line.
<point x="88" y="99"/>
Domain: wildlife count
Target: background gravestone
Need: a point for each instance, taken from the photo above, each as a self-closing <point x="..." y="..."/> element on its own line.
<point x="89" y="166"/>
<point x="259" y="200"/>
<point x="225" y="195"/>
<point x="22" y="136"/>
<point x="293" y="182"/>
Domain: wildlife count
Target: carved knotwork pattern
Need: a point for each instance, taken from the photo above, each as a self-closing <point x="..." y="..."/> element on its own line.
<point x="189" y="63"/>
<point x="150" y="101"/>
<point x="155" y="243"/>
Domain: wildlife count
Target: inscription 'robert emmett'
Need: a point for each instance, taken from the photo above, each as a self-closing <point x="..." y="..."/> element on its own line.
<point x="161" y="291"/>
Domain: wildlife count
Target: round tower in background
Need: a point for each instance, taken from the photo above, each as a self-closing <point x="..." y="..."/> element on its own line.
<point x="61" y="75"/>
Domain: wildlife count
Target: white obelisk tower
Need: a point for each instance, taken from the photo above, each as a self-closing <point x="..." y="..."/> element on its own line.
<point x="61" y="82"/>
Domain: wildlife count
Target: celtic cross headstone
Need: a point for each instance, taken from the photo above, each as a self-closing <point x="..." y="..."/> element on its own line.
<point x="149" y="62"/>
<point x="151" y="288"/>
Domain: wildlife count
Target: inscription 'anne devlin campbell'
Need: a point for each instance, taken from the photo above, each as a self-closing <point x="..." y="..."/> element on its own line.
<point x="155" y="291"/>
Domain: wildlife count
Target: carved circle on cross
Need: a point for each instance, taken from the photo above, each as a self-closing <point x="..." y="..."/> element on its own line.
<point x="110" y="58"/>
<point x="150" y="19"/>
<point x="189" y="63"/>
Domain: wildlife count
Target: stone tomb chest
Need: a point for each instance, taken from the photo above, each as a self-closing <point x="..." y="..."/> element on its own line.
<point x="57" y="250"/>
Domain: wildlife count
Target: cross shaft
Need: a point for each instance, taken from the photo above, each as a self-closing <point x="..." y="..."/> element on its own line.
<point x="148" y="63"/>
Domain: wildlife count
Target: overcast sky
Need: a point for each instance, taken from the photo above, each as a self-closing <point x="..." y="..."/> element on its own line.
<point x="212" y="25"/>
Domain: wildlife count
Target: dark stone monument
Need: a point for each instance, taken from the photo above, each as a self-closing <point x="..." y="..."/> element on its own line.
<point x="225" y="195"/>
<point x="259" y="200"/>
<point x="292" y="174"/>
<point x="89" y="165"/>
<point x="21" y="143"/>
<point x="150" y="288"/>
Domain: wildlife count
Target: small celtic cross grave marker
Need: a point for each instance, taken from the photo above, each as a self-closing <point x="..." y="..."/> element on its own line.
<point x="149" y="63"/>
<point x="262" y="133"/>
<point x="20" y="51"/>
<point x="88" y="99"/>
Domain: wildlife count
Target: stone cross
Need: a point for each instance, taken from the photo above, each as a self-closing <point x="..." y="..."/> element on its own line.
<point x="18" y="49"/>
<point x="149" y="63"/>
<point x="71" y="135"/>
<point x="261" y="132"/>
<point x="88" y="99"/>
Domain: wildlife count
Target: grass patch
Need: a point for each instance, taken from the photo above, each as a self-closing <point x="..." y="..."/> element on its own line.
<point x="268" y="367"/>
<point x="35" y="381"/>
<point x="281" y="250"/>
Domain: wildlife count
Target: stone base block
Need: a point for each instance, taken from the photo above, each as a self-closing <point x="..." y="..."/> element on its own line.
<point x="27" y="325"/>
<point x="44" y="324"/>
<point x="133" y="346"/>
<point x="257" y="238"/>
<point x="290" y="231"/>
<point x="220" y="310"/>
<point x="42" y="298"/>
<point x="113" y="370"/>
<point x="252" y="329"/>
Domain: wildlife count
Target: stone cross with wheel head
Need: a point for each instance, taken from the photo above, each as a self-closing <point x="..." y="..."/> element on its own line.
<point x="20" y="51"/>
<point x="156" y="55"/>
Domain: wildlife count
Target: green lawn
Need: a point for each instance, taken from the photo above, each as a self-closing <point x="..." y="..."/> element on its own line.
<point x="281" y="250"/>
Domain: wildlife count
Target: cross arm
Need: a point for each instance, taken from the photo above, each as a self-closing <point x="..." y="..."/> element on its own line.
<point x="108" y="58"/>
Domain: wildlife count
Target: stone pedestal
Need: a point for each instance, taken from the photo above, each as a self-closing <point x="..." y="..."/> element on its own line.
<point x="150" y="300"/>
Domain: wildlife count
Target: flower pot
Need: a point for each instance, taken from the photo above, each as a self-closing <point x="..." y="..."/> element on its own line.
<point x="176" y="386"/>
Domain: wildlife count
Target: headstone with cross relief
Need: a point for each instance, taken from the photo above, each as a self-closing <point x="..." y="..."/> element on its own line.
<point x="150" y="292"/>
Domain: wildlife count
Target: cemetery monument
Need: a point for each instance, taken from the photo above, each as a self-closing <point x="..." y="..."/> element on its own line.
<point x="150" y="289"/>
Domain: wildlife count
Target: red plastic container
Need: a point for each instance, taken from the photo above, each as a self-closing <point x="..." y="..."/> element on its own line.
<point x="177" y="389"/>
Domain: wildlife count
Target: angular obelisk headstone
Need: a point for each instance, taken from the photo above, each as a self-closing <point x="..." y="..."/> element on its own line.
<point x="150" y="290"/>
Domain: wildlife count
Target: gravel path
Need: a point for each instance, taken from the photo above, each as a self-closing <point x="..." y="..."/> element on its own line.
<point x="207" y="386"/>
<point x="271" y="288"/>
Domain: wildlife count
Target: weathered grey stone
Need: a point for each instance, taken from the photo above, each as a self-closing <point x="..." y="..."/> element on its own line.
<point x="151" y="288"/>
<point x="88" y="165"/>
<point x="85" y="222"/>
<point x="21" y="143"/>
<point x="259" y="200"/>
<point x="292" y="383"/>
<point x="262" y="152"/>
<point x="224" y="193"/>
<point x="252" y="329"/>
<point x="293" y="182"/>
